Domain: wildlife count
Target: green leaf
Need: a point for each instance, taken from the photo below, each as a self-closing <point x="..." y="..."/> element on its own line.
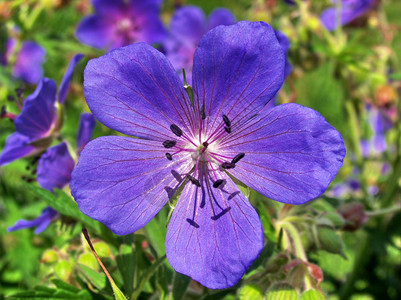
<point x="97" y="279"/>
<point x="312" y="295"/>
<point x="282" y="291"/>
<point x="126" y="264"/>
<point x="146" y="276"/>
<point x="250" y="292"/>
<point x="65" y="205"/>
<point x="321" y="91"/>
<point x="180" y="285"/>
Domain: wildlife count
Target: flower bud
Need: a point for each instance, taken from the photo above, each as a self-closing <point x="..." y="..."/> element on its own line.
<point x="102" y="249"/>
<point x="49" y="256"/>
<point x="63" y="270"/>
<point x="89" y="260"/>
<point x="330" y="241"/>
<point x="354" y="215"/>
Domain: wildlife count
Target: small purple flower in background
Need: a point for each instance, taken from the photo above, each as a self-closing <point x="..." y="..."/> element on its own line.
<point x="37" y="121"/>
<point x="41" y="222"/>
<point x="188" y="25"/>
<point x="29" y="60"/>
<point x="288" y="153"/>
<point x="118" y="23"/>
<point x="378" y="124"/>
<point x="350" y="10"/>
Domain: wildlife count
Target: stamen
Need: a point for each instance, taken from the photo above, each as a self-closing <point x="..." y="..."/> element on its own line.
<point x="176" y="130"/>
<point x="227" y="129"/>
<point x="223" y="212"/>
<point x="194" y="180"/>
<point x="169" y="144"/>
<point x="205" y="144"/>
<point x="193" y="223"/>
<point x="227" y="165"/>
<point x="227" y="121"/>
<point x="169" y="157"/>
<point x="202" y="112"/>
<point x="217" y="183"/>
<point x="237" y="158"/>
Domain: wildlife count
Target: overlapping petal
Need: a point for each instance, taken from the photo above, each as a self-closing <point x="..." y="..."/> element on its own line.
<point x="108" y="7"/>
<point x="237" y="70"/>
<point x="214" y="235"/>
<point x="65" y="82"/>
<point x="123" y="182"/>
<point x="17" y="146"/>
<point x="291" y="153"/>
<point x="55" y="167"/>
<point x="39" y="111"/>
<point x="136" y="91"/>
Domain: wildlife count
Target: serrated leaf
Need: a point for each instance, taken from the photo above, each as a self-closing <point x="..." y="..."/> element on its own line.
<point x="312" y="295"/>
<point x="65" y="205"/>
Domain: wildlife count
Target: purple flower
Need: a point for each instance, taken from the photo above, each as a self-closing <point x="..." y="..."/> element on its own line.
<point x="37" y="122"/>
<point x="119" y="23"/>
<point x="29" y="60"/>
<point x="41" y="222"/>
<point x="288" y="153"/>
<point x="350" y="10"/>
<point x="188" y="25"/>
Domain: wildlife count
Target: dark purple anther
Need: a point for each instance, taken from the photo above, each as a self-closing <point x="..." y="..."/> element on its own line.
<point x="194" y="180"/>
<point x="202" y="112"/>
<point x="10" y="98"/>
<point x="228" y="129"/>
<point x="205" y="144"/>
<point x="169" y="157"/>
<point x="217" y="183"/>
<point x="193" y="223"/>
<point x="237" y="158"/>
<point x="169" y="144"/>
<point x="176" y="130"/>
<point x="227" y="121"/>
<point x="227" y="165"/>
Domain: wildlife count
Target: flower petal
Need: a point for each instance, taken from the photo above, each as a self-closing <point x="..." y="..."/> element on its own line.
<point x="188" y="24"/>
<point x="41" y="222"/>
<point x="123" y="182"/>
<point x="291" y="153"/>
<point x="65" y="82"/>
<point x="237" y="70"/>
<point x="220" y="16"/>
<point x="86" y="126"/>
<point x="107" y="7"/>
<point x="28" y="64"/>
<point x="17" y="146"/>
<point x="96" y="31"/>
<point x="55" y="167"/>
<point x="214" y="234"/>
<point x="135" y="90"/>
<point x="38" y="112"/>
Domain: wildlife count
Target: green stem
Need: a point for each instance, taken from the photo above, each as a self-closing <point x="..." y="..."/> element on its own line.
<point x="383" y="211"/>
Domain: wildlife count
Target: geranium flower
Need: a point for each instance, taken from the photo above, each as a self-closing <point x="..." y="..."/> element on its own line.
<point x="28" y="63"/>
<point x="37" y="122"/>
<point x="119" y="23"/>
<point x="288" y="153"/>
<point x="350" y="10"/>
<point x="187" y="26"/>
